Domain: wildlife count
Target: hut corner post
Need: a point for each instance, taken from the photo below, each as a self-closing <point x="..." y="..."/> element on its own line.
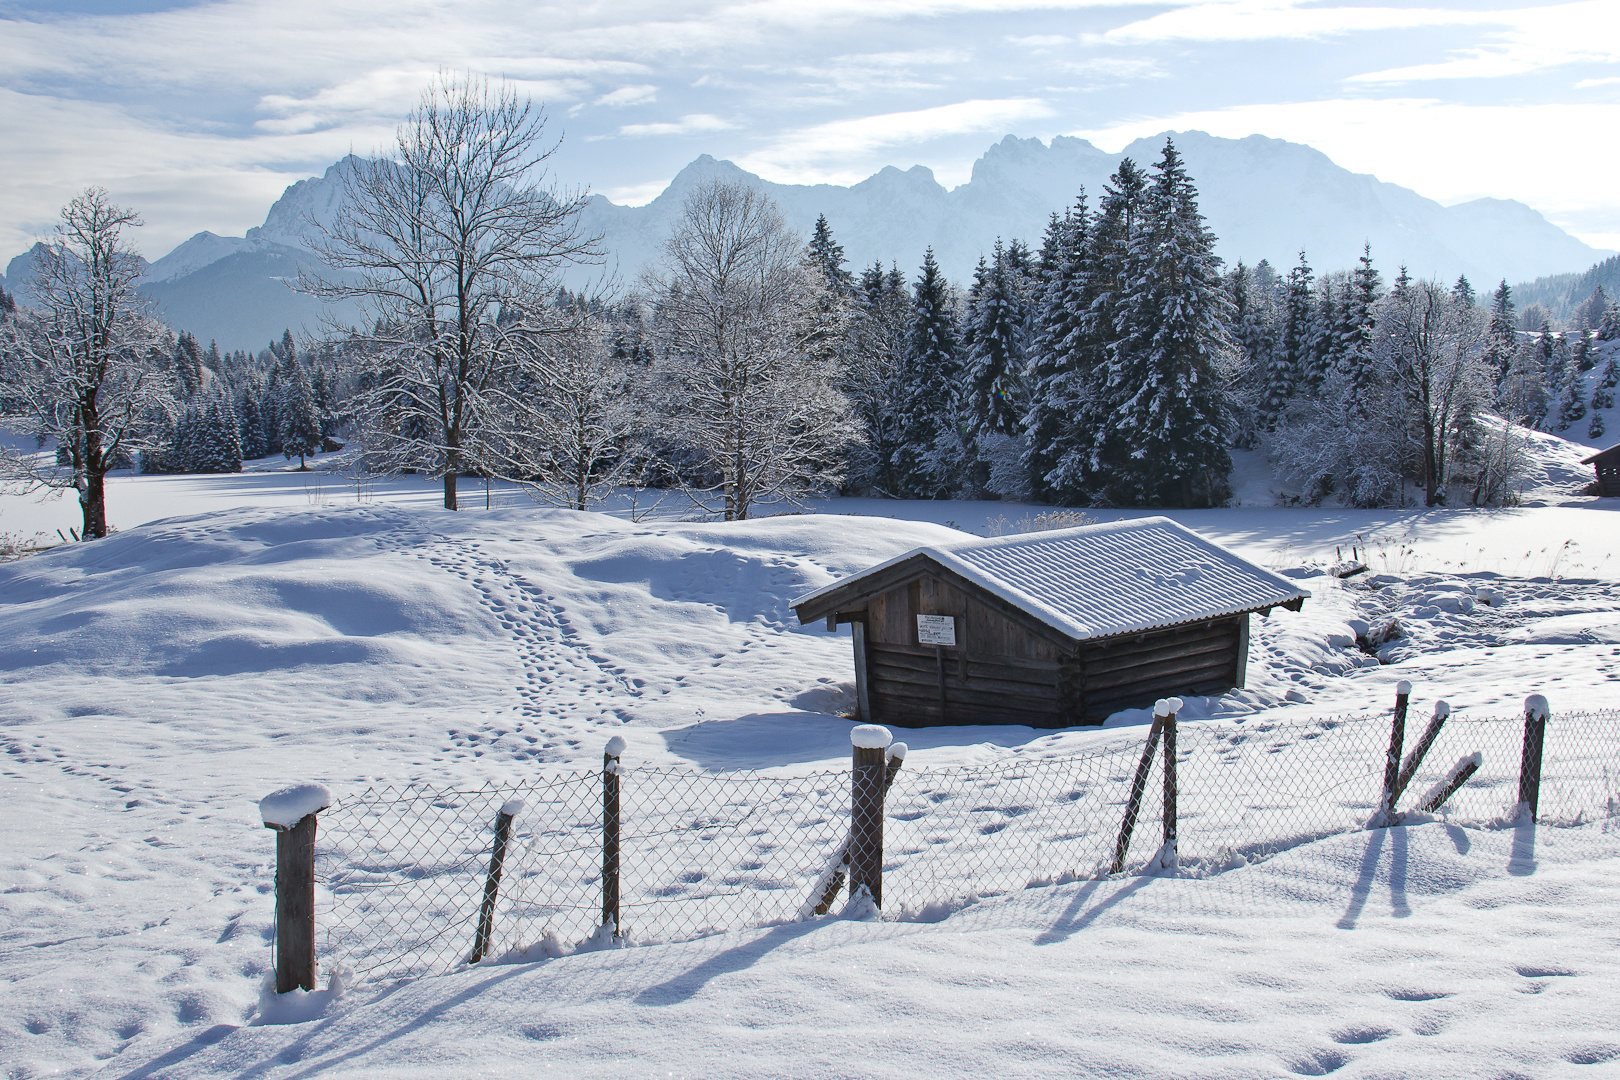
<point x="1536" y="712"/>
<point x="863" y="685"/>
<point x="295" y="904"/>
<point x="870" y="744"/>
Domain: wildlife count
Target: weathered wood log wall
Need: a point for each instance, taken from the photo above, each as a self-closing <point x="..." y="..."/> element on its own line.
<point x="1005" y="670"/>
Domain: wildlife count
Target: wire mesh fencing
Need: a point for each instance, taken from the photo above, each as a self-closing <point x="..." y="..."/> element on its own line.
<point x="405" y="874"/>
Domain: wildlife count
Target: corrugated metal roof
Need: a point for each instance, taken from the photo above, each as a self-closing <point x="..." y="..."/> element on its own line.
<point x="1100" y="580"/>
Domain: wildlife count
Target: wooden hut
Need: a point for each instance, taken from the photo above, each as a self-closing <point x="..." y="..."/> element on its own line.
<point x="1607" y="464"/>
<point x="1048" y="629"/>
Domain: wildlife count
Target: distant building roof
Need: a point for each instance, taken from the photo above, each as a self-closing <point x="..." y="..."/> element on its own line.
<point x="1097" y="581"/>
<point x="1603" y="456"/>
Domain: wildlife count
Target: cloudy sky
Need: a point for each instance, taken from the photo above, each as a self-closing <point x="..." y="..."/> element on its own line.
<point x="200" y="113"/>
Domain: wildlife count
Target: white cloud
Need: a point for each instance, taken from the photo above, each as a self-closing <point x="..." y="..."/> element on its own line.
<point x="636" y="194"/>
<point x="1261" y="20"/>
<point x="1446" y="151"/>
<point x="686" y="125"/>
<point x="840" y="151"/>
<point x="629" y="95"/>
<point x="1528" y="40"/>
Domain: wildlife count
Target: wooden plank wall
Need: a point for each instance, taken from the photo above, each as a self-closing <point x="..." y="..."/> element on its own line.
<point x="1000" y="672"/>
<point x="1133" y="672"/>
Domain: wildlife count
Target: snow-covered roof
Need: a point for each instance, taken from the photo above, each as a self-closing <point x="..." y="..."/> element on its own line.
<point x="1097" y="581"/>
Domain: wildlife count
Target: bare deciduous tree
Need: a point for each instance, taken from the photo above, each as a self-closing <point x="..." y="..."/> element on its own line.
<point x="454" y="244"/>
<point x="753" y="397"/>
<point x="584" y="438"/>
<point x="87" y="368"/>
<point x="1433" y="349"/>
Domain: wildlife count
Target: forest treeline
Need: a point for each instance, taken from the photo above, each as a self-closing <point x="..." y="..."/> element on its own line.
<point x="1117" y="364"/>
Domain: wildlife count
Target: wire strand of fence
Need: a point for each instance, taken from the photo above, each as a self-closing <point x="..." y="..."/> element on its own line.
<point x="403" y="872"/>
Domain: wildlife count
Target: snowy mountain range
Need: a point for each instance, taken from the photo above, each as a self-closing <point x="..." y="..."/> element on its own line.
<point x="1264" y="198"/>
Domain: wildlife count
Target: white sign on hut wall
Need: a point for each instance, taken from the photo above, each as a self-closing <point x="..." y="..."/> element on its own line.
<point x="936" y="630"/>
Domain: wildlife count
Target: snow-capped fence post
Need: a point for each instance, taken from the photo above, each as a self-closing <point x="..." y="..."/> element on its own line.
<point x="510" y="809"/>
<point x="1133" y="804"/>
<point x="870" y="743"/>
<point x="832" y="879"/>
<point x="610" y="835"/>
<point x="291" y="812"/>
<point x="1414" y="760"/>
<point x="1392" y="761"/>
<point x="1536" y="711"/>
<point x="1168" y="708"/>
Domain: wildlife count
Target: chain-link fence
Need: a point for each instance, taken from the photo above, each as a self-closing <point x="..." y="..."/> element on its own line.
<point x="402" y="872"/>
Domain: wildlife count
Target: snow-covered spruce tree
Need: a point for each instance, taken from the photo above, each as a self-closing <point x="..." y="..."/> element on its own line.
<point x="1357" y="322"/>
<point x="1324" y="352"/>
<point x="1609" y="376"/>
<point x="250" y="433"/>
<point x="1503" y="332"/>
<point x="926" y="461"/>
<point x="998" y="324"/>
<point x="757" y="404"/>
<point x="1164" y="442"/>
<point x="1087" y="459"/>
<point x="1462" y="291"/>
<point x="1522" y="396"/>
<point x="86" y="368"/>
<point x="1583" y="355"/>
<point x="1255" y="307"/>
<point x="1560" y="368"/>
<point x="222" y="443"/>
<point x="1434" y="349"/>
<point x="874" y="359"/>
<point x="828" y="256"/>
<point x="1609" y="328"/>
<point x="188" y="365"/>
<point x="442" y="242"/>
<point x="1596" y="429"/>
<point x="300" y="422"/>
<point x="1292" y="362"/>
<point x="1059" y="363"/>
<point x="1572" y="402"/>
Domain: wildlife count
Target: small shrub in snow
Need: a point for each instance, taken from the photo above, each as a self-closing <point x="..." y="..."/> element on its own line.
<point x="1043" y="521"/>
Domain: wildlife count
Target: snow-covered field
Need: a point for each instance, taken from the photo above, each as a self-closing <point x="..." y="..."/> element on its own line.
<point x="285" y="627"/>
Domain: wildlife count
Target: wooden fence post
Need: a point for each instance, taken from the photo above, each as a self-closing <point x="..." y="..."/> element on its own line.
<point x="610" y="834"/>
<point x="1133" y="803"/>
<point x="492" y="884"/>
<point x="1456" y="778"/>
<point x="870" y="743"/>
<point x="291" y="812"/>
<point x="1392" y="761"/>
<point x="1414" y="760"/>
<point x="1167" y="853"/>
<point x="832" y="881"/>
<point x="1536" y="712"/>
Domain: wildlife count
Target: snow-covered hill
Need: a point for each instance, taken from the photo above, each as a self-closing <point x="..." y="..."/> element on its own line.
<point x="153" y="685"/>
<point x="1265" y="198"/>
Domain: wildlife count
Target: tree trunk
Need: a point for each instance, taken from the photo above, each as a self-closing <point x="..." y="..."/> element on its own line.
<point x="94" y="504"/>
<point x="450" y="490"/>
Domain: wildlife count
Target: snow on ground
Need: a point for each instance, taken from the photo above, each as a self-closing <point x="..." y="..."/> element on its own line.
<point x="1416" y="952"/>
<point x="154" y="686"/>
